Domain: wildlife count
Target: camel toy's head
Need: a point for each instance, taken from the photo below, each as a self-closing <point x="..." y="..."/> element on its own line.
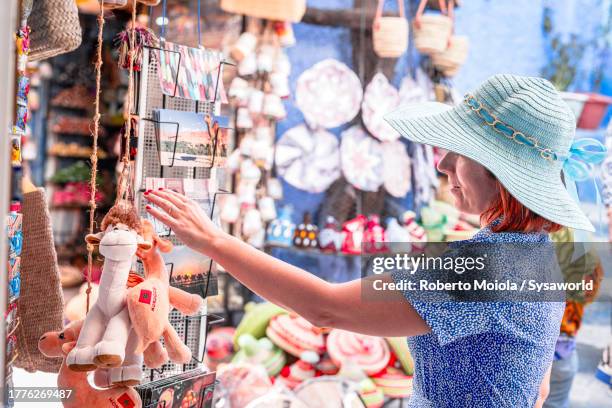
<point x="120" y="237"/>
<point x="149" y="235"/>
<point x="59" y="343"/>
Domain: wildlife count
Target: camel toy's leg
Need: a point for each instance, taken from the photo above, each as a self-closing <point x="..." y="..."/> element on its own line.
<point x="130" y="373"/>
<point x="155" y="355"/>
<point x="101" y="378"/>
<point x="177" y="350"/>
<point x="81" y="357"/>
<point x="184" y="302"/>
<point x="110" y="352"/>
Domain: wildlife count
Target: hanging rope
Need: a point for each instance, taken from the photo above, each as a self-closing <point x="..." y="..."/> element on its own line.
<point x="123" y="185"/>
<point x="94" y="153"/>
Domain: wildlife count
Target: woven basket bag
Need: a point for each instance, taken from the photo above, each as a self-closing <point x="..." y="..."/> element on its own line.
<point x="55" y="28"/>
<point x="390" y="34"/>
<point x="40" y="305"/>
<point x="277" y="10"/>
<point x="450" y="60"/>
<point x="432" y="31"/>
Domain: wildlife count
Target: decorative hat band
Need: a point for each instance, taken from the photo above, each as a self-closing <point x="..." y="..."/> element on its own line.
<point x="578" y="163"/>
<point x="508" y="131"/>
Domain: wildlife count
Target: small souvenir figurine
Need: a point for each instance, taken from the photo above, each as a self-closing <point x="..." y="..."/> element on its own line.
<point x="16" y="150"/>
<point x="374" y="236"/>
<point x="274" y="188"/>
<point x="418" y="236"/>
<point x="244" y="46"/>
<point x="397" y="237"/>
<point x="280" y="231"/>
<point x="330" y="237"/>
<point x="306" y="234"/>
<point x="434" y="222"/>
<point x="284" y="31"/>
<point x="352" y="232"/>
<point x="267" y="208"/>
<point x="252" y="222"/>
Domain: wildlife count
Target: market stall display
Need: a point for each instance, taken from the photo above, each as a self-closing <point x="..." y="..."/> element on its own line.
<point x="161" y="102"/>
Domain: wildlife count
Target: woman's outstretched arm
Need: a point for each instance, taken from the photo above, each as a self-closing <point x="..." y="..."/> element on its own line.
<point x="346" y="306"/>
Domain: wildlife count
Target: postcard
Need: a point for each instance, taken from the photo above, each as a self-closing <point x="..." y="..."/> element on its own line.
<point x="186" y="141"/>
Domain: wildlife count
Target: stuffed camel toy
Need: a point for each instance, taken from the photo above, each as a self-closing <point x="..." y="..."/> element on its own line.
<point x="104" y="336"/>
<point x="58" y="344"/>
<point x="149" y="302"/>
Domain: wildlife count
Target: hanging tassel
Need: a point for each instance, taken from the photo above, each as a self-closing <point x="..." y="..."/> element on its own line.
<point x="144" y="37"/>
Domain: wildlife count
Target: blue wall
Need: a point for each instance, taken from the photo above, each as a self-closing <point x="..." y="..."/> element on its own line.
<point x="506" y="37"/>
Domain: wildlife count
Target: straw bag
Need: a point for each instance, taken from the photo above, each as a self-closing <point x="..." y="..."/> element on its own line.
<point x="278" y="10"/>
<point x="432" y="31"/>
<point x="40" y="305"/>
<point x="450" y="60"/>
<point x="55" y="28"/>
<point x="390" y="34"/>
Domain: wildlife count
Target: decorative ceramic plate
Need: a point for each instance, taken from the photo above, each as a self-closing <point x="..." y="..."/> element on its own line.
<point x="380" y="98"/>
<point x="397" y="169"/>
<point x="308" y="160"/>
<point x="329" y="94"/>
<point x="362" y="159"/>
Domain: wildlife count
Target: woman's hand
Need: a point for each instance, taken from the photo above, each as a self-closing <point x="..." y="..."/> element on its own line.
<point x="185" y="217"/>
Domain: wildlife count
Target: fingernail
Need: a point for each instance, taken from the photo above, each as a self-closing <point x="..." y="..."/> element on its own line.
<point x="148" y="207"/>
<point x="161" y="189"/>
<point x="147" y="192"/>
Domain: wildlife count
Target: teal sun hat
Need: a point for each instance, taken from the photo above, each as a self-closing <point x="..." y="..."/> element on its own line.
<point x="522" y="131"/>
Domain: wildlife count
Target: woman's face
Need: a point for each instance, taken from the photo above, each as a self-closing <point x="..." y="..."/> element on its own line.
<point x="473" y="187"/>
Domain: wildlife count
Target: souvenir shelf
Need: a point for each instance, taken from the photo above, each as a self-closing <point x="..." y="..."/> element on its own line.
<point x="149" y="97"/>
<point x="68" y="140"/>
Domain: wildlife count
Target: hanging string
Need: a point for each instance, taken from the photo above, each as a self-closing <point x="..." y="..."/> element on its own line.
<point x="94" y="153"/>
<point x="123" y="185"/>
<point x="163" y="26"/>
<point x="199" y="28"/>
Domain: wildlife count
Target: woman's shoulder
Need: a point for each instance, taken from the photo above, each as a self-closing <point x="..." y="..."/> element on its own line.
<point x="486" y="235"/>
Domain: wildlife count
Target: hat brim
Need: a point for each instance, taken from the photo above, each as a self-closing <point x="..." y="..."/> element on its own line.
<point x="536" y="184"/>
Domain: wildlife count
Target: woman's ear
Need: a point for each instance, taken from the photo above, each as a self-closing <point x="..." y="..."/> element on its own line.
<point x="144" y="245"/>
<point x="94" y="239"/>
<point x="163" y="244"/>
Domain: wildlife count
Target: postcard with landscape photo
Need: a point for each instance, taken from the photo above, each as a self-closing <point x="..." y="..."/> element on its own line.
<point x="184" y="140"/>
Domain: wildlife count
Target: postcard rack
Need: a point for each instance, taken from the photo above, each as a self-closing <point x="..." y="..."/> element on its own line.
<point x="148" y="97"/>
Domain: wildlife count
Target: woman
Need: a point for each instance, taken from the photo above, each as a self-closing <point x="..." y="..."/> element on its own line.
<point x="467" y="354"/>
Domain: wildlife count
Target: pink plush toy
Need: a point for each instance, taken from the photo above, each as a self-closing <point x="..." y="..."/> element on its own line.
<point x="149" y="302"/>
<point x="58" y="344"/>
<point x="103" y="341"/>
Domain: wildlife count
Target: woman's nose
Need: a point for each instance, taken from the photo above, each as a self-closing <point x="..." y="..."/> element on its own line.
<point x="446" y="164"/>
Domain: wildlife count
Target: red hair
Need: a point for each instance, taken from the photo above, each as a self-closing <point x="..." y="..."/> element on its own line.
<point x="514" y="216"/>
